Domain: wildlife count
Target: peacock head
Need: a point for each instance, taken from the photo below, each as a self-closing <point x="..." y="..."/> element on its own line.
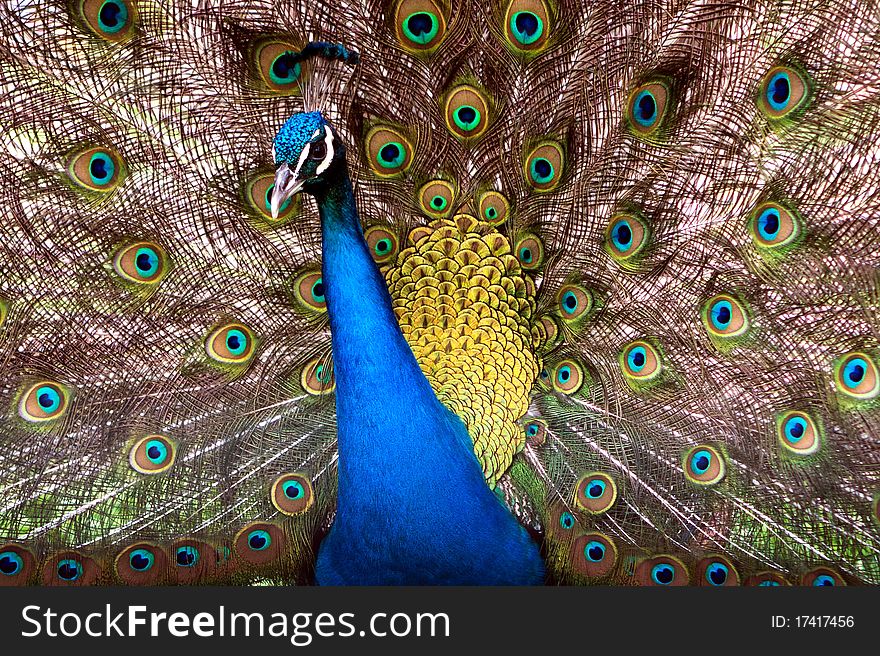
<point x="307" y="153"/>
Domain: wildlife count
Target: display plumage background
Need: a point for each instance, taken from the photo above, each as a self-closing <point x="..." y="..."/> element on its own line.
<point x="182" y="102"/>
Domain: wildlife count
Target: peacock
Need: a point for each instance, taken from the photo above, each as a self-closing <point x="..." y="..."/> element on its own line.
<point x="437" y="292"/>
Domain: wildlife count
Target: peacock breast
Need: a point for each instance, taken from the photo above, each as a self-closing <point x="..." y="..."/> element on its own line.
<point x="466" y="309"/>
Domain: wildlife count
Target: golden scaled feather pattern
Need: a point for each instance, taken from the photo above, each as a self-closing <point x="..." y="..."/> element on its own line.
<point x="466" y="308"/>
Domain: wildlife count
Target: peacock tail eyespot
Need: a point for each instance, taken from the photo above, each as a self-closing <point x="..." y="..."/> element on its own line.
<point x="278" y="70"/>
<point x="855" y="376"/>
<point x="494" y="208"/>
<point x="292" y="494"/>
<point x="568" y="377"/>
<point x="566" y="520"/>
<point x="258" y="195"/>
<point x="767" y="580"/>
<point x="774" y="228"/>
<point x="466" y="111"/>
<point x="536" y="432"/>
<point x="725" y="317"/>
<point x="383" y="245"/>
<point x="543" y="166"/>
<point x="112" y="20"/>
<point x="309" y="291"/>
<point x="16" y="565"/>
<point x="141" y="564"/>
<point x="593" y="555"/>
<point x="232" y="343"/>
<point x="717" y="571"/>
<point x="527" y="25"/>
<point x="704" y="465"/>
<point x="388" y="150"/>
<point x="822" y="577"/>
<point x="436" y="197"/>
<point x="595" y="492"/>
<point x="798" y="433"/>
<point x="258" y="540"/>
<point x="420" y="25"/>
<point x="640" y="362"/>
<point x="663" y="570"/>
<point x="152" y="454"/>
<point x="317" y="377"/>
<point x="141" y="560"/>
<point x="10" y="563"/>
<point x="530" y="252"/>
<point x="575" y="302"/>
<point x="626" y="238"/>
<point x="186" y="555"/>
<point x="784" y="91"/>
<point x="96" y="169"/>
<point x="44" y="401"/>
<point x="142" y="263"/>
<point x="647" y="108"/>
<point x="69" y="570"/>
<point x="260" y="543"/>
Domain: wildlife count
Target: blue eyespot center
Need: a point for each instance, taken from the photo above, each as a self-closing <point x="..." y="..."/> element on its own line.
<point x="49" y="399"/>
<point x="146" y="261"/>
<point x="768" y="224"/>
<point x="722" y="313"/>
<point x="662" y="574"/>
<point x="187" y="556"/>
<point x="141" y="560"/>
<point x="779" y="91"/>
<point x="854" y="372"/>
<point x="285" y="69"/>
<point x="236" y="341"/>
<point x="157" y="452"/>
<point x="700" y="462"/>
<point x="595" y="489"/>
<point x="293" y="490"/>
<point x="621" y="235"/>
<point x="566" y="520"/>
<point x="525" y="255"/>
<point x="532" y="430"/>
<point x="541" y="170"/>
<point x="824" y="579"/>
<point x="717" y="573"/>
<point x="10" y="563"/>
<point x="526" y="26"/>
<point x="564" y="374"/>
<point x="795" y="428"/>
<point x="101" y="168"/>
<point x="637" y="358"/>
<point x="390" y="154"/>
<point x="70" y="569"/>
<point x="595" y="551"/>
<point x="112" y="16"/>
<point x="259" y="540"/>
<point x="645" y="109"/>
<point x="569" y="302"/>
<point x="318" y="291"/>
<point x="769" y="584"/>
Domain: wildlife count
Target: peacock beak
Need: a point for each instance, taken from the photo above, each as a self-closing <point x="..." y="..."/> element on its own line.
<point x="286" y="185"/>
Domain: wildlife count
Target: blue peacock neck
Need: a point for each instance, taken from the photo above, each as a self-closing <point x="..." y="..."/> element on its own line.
<point x="413" y="506"/>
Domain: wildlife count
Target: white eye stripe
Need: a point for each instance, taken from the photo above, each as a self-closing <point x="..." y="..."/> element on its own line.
<point x="328" y="158"/>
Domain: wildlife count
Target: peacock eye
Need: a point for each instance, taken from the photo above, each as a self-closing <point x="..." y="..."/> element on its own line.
<point x="318" y="151"/>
